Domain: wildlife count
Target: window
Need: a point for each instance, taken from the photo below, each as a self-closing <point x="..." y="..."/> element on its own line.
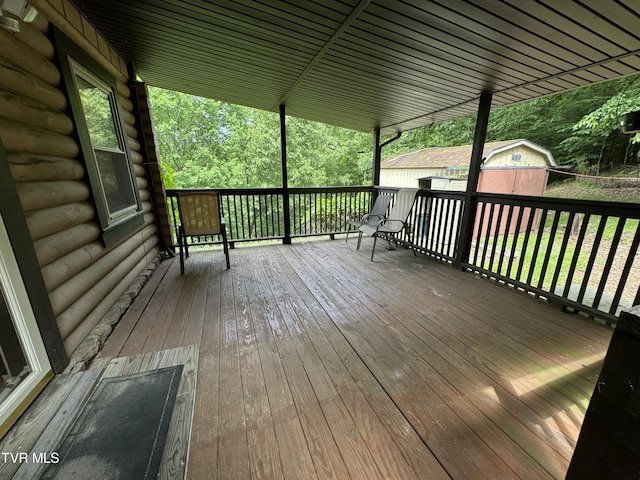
<point x="115" y="184"/>
<point x="516" y="157"/>
<point x="91" y="91"/>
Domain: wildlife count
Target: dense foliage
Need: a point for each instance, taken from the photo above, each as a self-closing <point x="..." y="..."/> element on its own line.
<point x="206" y="143"/>
<point x="580" y="127"/>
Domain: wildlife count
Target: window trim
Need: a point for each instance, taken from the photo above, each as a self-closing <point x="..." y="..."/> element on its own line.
<point x="73" y="61"/>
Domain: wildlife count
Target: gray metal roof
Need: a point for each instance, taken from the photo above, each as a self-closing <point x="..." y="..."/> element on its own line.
<point x="362" y="64"/>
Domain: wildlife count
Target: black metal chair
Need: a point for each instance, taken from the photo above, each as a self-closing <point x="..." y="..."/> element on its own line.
<point x="200" y="221"/>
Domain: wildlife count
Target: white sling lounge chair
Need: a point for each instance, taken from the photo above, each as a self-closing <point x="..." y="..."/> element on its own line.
<point x="394" y="223"/>
<point x="378" y="212"/>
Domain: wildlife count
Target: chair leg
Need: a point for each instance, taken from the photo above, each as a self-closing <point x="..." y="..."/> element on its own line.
<point x="375" y="237"/>
<point x="359" y="240"/>
<point x="346" y="239"/>
<point x="181" y="240"/>
<point x="225" y="247"/>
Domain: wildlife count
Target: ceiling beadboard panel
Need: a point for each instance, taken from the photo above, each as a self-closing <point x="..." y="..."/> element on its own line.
<point x="363" y="64"/>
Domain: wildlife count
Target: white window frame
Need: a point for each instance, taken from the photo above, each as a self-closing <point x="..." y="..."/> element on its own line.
<point x="17" y="300"/>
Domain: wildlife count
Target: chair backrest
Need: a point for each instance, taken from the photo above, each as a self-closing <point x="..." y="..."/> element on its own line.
<point x="380" y="206"/>
<point x="402" y="206"/>
<point x="200" y="213"/>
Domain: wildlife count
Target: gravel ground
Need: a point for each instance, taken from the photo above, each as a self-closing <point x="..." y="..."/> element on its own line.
<point x="623" y="191"/>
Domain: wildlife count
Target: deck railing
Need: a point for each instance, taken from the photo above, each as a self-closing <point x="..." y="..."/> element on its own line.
<point x="577" y="253"/>
<point x="434" y="222"/>
<point x="257" y="214"/>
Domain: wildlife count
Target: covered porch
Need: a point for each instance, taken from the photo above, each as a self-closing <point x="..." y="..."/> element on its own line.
<point x="312" y="361"/>
<point x="316" y="363"/>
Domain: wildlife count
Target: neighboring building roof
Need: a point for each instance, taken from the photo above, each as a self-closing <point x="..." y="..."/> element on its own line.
<point x="459" y="156"/>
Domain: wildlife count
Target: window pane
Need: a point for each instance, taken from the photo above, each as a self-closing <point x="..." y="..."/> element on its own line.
<point x="116" y="180"/>
<point x="98" y="115"/>
<point x="13" y="364"/>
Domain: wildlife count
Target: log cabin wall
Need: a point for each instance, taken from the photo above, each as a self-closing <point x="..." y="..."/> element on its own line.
<point x="84" y="279"/>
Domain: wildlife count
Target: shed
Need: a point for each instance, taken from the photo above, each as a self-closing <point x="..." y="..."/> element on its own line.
<point x="510" y="166"/>
<point x="520" y="168"/>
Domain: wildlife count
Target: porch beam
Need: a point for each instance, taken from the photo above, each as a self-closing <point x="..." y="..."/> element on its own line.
<point x="285" y="176"/>
<point x="470" y="201"/>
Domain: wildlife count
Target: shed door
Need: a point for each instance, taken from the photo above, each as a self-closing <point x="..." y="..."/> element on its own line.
<point x="24" y="365"/>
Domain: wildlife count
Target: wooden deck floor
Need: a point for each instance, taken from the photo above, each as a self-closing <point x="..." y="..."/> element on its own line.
<point x="317" y="363"/>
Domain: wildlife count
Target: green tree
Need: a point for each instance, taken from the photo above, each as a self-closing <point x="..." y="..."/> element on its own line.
<point x="601" y="130"/>
<point x="204" y="143"/>
<point x="580" y="127"/>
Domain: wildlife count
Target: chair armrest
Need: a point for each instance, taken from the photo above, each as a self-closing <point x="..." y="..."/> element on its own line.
<point x="385" y="221"/>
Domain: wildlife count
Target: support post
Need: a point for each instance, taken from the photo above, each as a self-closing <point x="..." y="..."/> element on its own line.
<point x="285" y="177"/>
<point x="609" y="443"/>
<point x="470" y="201"/>
<point x="377" y="157"/>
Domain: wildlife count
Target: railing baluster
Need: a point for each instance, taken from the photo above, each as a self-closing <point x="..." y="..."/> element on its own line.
<point x="262" y="210"/>
<point x="563" y="249"/>
<point x="576" y="255"/>
<point x="253" y="216"/>
<point x="607" y="267"/>
<point x="488" y="234"/>
<point x="422" y="219"/>
<point x="536" y="248"/>
<point x="280" y="213"/>
<point x="592" y="259"/>
<point x="496" y="235"/>
<point x="505" y="238"/>
<point x="482" y="206"/>
<point x="236" y="216"/>
<point x="525" y="245"/>
<point x="451" y="233"/>
<point x="445" y="226"/>
<point x="514" y="242"/>
<point x="458" y="227"/>
<point x="625" y="272"/>
<point x="428" y="226"/>
<point x="550" y="242"/>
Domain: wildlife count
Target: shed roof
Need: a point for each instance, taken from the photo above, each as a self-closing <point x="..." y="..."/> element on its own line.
<point x="362" y="64"/>
<point x="440" y="157"/>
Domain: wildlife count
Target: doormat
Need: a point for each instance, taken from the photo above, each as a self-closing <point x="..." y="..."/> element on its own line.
<point x="122" y="429"/>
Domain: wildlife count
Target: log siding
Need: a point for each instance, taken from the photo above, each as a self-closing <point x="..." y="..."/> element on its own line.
<point x="83" y="278"/>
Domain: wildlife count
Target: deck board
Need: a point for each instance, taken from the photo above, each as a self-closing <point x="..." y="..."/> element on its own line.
<point x="316" y="363"/>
